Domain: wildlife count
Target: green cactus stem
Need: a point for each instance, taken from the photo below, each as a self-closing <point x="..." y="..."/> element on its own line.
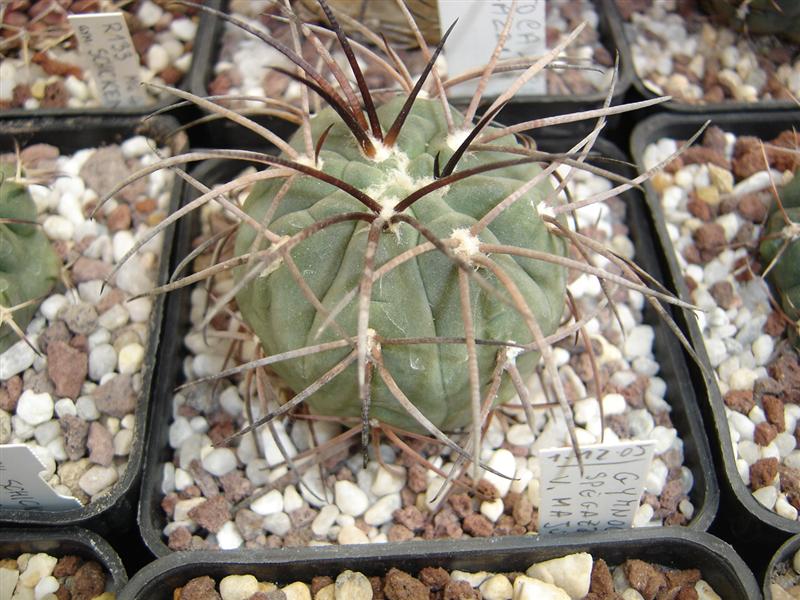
<point x="29" y="266"/>
<point x="780" y="251"/>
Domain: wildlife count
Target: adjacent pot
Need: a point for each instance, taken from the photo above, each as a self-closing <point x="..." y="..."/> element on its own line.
<point x="207" y="48"/>
<point x="62" y="541"/>
<point x="113" y="512"/>
<point x="643" y="90"/>
<point x="781" y="561"/>
<point x="721" y="567"/>
<point x="745" y="520"/>
<point x="685" y="414"/>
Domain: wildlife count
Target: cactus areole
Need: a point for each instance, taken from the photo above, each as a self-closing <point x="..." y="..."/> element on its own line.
<point x="419" y="299"/>
<point x="28" y="264"/>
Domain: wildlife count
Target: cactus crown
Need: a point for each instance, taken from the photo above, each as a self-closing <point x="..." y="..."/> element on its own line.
<point x="404" y="263"/>
<point x="29" y="266"/>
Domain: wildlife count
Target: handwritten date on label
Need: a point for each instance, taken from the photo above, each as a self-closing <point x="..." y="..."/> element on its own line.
<point x="107" y="49"/>
<point x="472" y="42"/>
<point x="21" y="486"/>
<point x="605" y="497"/>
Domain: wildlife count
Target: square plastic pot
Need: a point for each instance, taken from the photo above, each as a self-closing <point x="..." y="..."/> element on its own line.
<point x="63" y="541"/>
<point x="784" y="554"/>
<point x="748" y="524"/>
<point x="685" y="414"/>
<point x="114" y="512"/>
<point x="520" y="109"/>
<point x="677" y="548"/>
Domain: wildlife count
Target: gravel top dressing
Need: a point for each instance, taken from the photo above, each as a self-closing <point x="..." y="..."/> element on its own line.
<point x="245" y="496"/>
<point x="42" y="576"/>
<point x="571" y="577"/>
<point x="715" y="198"/>
<point x="73" y="402"/>
<point x="678" y="50"/>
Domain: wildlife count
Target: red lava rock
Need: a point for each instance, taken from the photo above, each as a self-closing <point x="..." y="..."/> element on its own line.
<point x="179" y="539"/>
<point x="116" y="396"/>
<point x="523" y="510"/>
<point x="723" y="293"/>
<point x="763" y="472"/>
<point x="487" y="491"/>
<point x="752" y="208"/>
<point x="20" y="94"/>
<point x="434" y="577"/>
<point x="57" y="331"/>
<point x="249" y="523"/>
<point x="55" y="95"/>
<point x="52" y="66"/>
<point x="119" y="219"/>
<point x="702" y="155"/>
<point x="220" y="85"/>
<point x="211" y="514"/>
<point x="111" y="297"/>
<point x="142" y="40"/>
<point x="477" y="525"/>
<point x="601" y="584"/>
<point x="773" y="409"/>
<point x="785" y="161"/>
<point x="171" y="75"/>
<point x="460" y="590"/>
<point x="747" y="157"/>
<point x="67" y="368"/>
<point x="710" y="240"/>
<point x="461" y="504"/>
<point x="790" y="484"/>
<point x="417" y="479"/>
<point x="399" y="585"/>
<point x="644" y="578"/>
<point x="714" y="138"/>
<point x="683" y="577"/>
<point x="200" y="588"/>
<point x="205" y="481"/>
<point x="304" y="516"/>
<point x="319" y="582"/>
<point x="75" y="432"/>
<point x="235" y="486"/>
<point x="399" y="533"/>
<point x="105" y="168"/>
<point x="168" y="503"/>
<point x="764" y="434"/>
<point x="67" y="565"/>
<point x="698" y="208"/>
<point x="89" y="581"/>
<point x="10" y="391"/>
<point x="100" y="444"/>
<point x="87" y="269"/>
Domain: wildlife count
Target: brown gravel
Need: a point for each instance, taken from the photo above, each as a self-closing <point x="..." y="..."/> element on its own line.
<point x="763" y="472"/>
<point x="399" y="585"/>
<point x="88" y="582"/>
<point x="67" y="368"/>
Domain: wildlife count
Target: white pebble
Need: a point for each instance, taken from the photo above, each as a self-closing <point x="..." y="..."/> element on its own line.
<point x="130" y="358"/>
<point x="102" y="360"/>
<point x="350" y="498"/>
<point x="228" y="537"/>
<point x="123" y="440"/>
<point x="529" y="588"/>
<point x="87" y="409"/>
<point x="571" y="573"/>
<point x="51" y="305"/>
<point x="64" y="407"/>
<point x="39" y="566"/>
<point x="149" y="14"/>
<point x="767" y="496"/>
<point x="46" y="586"/>
<point x="784" y="509"/>
<point x="268" y="504"/>
<point x="136" y="146"/>
<point x="350" y="534"/>
<point x="504" y="463"/>
<point x="57" y="227"/>
<point x="324" y="520"/>
<point x="238" y="587"/>
<point x="493" y="509"/>
<point x="762" y="349"/>
<point x="277" y="523"/>
<point x="497" y="587"/>
<point x="16" y="359"/>
<point x="139" y="309"/>
<point x="114" y="318"/>
<point x="643" y="515"/>
<point x="184" y="29"/>
<point x="157" y="58"/>
<point x="35" y="408"/>
<point x="219" y="461"/>
<point x="388" y="481"/>
<point x="97" y="479"/>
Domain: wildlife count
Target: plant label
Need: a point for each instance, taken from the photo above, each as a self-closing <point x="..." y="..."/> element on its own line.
<point x="605" y="497"/>
<point x="22" y="488"/>
<point x="106" y="47"/>
<point x="472" y="42"/>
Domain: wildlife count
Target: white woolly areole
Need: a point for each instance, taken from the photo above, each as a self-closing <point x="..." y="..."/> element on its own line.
<point x="372" y="340"/>
<point x="467" y="245"/>
<point x="512" y="352"/>
<point x="455" y="139"/>
<point x="308" y="161"/>
<point x="544" y="209"/>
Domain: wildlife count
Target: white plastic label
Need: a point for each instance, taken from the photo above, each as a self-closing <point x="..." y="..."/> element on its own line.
<point x="106" y="46"/>
<point x="605" y="497"/>
<point x="21" y="486"/>
<point x="472" y="42"/>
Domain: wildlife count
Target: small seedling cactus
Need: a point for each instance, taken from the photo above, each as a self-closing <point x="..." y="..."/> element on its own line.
<point x="29" y="267"/>
<point x="780" y="250"/>
<point x="405" y="263"/>
<point x="759" y="17"/>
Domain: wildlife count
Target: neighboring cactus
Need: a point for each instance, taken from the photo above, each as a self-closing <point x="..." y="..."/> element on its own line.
<point x="759" y="17"/>
<point x="780" y="251"/>
<point x="403" y="263"/>
<point x="29" y="266"/>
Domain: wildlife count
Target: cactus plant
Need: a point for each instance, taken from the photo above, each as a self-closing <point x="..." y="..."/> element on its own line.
<point x="759" y="17"/>
<point x="402" y="263"/>
<point x="780" y="250"/>
<point x="29" y="266"/>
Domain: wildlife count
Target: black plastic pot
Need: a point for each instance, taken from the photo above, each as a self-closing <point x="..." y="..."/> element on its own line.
<point x="682" y="549"/>
<point x="62" y="541"/>
<point x="522" y="108"/>
<point x="682" y="107"/>
<point x="113" y="512"/>
<point x="685" y="414"/>
<point x="785" y="554"/>
<point x="745" y="521"/>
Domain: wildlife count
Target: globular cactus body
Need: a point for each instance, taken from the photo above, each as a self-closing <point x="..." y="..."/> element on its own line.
<point x="781" y="246"/>
<point x="419" y="299"/>
<point x="28" y="264"/>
